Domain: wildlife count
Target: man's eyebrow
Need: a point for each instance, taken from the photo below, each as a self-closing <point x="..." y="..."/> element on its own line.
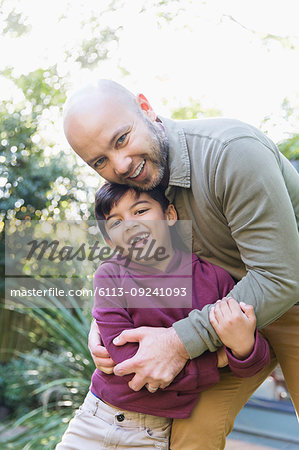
<point x="118" y="132"/>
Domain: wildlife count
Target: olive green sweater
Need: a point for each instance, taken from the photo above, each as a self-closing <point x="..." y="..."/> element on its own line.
<point x="242" y="196"/>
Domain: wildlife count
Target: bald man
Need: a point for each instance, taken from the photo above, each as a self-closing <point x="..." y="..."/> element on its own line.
<point x="242" y="196"/>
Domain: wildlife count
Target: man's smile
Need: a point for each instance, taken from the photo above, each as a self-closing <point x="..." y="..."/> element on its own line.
<point x="137" y="170"/>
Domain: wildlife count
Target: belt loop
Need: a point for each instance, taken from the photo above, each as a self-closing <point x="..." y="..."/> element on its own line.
<point x="96" y="409"/>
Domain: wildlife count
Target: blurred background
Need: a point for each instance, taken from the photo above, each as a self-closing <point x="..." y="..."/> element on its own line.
<point x="192" y="59"/>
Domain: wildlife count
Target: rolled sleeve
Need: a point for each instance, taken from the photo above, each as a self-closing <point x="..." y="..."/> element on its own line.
<point x="256" y="361"/>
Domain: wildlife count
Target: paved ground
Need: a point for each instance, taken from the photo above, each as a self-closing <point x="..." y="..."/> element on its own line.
<point x="232" y="444"/>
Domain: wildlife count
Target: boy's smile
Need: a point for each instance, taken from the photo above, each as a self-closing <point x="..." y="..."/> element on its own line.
<point x="139" y="223"/>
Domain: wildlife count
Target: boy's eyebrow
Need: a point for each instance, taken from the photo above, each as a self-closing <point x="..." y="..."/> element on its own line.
<point x="138" y="202"/>
<point x="131" y="207"/>
<point x="118" y="132"/>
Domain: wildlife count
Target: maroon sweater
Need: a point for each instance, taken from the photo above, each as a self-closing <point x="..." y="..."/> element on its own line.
<point x="115" y="313"/>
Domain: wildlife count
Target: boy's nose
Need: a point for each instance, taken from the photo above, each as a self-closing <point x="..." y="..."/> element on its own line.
<point x="130" y="225"/>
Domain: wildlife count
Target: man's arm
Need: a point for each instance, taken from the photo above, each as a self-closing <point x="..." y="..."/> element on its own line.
<point x="247" y="352"/>
<point x="202" y="372"/>
<point x="258" y="200"/>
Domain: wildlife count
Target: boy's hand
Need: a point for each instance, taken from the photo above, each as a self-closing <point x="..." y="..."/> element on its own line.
<point x="222" y="359"/>
<point x="235" y="325"/>
<point x="99" y="353"/>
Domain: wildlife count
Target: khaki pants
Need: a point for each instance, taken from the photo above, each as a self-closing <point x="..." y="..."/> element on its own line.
<point x="213" y="417"/>
<point x="97" y="426"/>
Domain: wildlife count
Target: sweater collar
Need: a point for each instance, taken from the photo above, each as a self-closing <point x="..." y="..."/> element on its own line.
<point x="178" y="157"/>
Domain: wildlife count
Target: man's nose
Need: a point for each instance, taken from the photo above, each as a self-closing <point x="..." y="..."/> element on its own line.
<point x="122" y="164"/>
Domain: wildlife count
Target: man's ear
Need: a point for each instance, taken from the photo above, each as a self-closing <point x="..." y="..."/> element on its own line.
<point x="171" y="215"/>
<point x="145" y="105"/>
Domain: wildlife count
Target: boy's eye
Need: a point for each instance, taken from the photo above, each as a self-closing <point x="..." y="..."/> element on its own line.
<point x="141" y="211"/>
<point x="100" y="162"/>
<point x="121" y="139"/>
<point x="114" y="223"/>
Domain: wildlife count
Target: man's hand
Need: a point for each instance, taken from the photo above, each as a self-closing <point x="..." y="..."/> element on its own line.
<point x="235" y="325"/>
<point x="160" y="357"/>
<point x="99" y="353"/>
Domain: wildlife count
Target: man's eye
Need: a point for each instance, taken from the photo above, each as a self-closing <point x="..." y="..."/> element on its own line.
<point x="100" y="162"/>
<point x="121" y="139"/>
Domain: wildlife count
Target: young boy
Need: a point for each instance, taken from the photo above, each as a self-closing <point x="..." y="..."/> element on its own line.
<point x="138" y="224"/>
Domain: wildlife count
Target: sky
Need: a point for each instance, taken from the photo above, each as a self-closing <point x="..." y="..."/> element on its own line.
<point x="212" y="52"/>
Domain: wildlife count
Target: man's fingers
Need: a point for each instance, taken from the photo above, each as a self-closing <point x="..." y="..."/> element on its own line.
<point x="125" y="336"/>
<point x="107" y="370"/>
<point x="137" y="383"/>
<point x="126" y="367"/>
<point x="103" y="362"/>
<point x="95" y="343"/>
<point x="98" y="352"/>
<point x="151" y="388"/>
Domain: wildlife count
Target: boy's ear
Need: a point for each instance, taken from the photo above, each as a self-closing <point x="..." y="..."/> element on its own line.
<point x="171" y="215"/>
<point x="145" y="105"/>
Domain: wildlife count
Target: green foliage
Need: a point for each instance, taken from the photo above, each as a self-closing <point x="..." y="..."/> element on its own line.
<point x="35" y="181"/>
<point x="51" y="384"/>
<point x="28" y="169"/>
<point x="16" y="24"/>
<point x="290" y="147"/>
<point x="96" y="49"/>
<point x="194" y="110"/>
<point x="31" y="372"/>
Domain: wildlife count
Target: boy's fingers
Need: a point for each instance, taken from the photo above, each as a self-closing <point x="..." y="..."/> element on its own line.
<point x="212" y="316"/>
<point x="248" y="310"/>
<point x="222" y="309"/>
<point x="233" y="305"/>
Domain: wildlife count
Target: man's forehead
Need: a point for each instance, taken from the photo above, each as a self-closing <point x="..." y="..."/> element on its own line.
<point x="105" y="110"/>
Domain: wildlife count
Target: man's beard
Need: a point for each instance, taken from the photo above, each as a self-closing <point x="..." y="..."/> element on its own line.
<point x="158" y="157"/>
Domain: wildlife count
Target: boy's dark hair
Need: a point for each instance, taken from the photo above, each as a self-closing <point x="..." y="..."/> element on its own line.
<point x="108" y="195"/>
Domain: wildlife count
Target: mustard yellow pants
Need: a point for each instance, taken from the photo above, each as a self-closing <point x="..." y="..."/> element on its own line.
<point x="213" y="417"/>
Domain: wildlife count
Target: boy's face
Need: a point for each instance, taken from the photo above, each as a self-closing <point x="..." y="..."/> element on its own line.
<point x="140" y="224"/>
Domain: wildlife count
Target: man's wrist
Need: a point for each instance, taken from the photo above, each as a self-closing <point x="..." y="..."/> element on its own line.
<point x="176" y="341"/>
